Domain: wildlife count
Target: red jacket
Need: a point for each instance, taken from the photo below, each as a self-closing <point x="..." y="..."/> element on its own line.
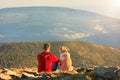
<point x="45" y="60"/>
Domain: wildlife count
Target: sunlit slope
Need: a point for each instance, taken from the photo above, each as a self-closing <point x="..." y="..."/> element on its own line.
<point x="23" y="54"/>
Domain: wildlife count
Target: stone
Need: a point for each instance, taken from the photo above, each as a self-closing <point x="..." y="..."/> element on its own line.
<point x="106" y="73"/>
<point x="5" y="76"/>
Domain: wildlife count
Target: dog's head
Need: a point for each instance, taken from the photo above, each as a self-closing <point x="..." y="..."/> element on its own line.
<point x="64" y="49"/>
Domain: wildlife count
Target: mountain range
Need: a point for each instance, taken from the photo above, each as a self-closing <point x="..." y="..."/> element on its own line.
<point x="57" y="24"/>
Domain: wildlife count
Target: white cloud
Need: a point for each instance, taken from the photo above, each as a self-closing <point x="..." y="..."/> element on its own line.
<point x="96" y="20"/>
<point x="67" y="30"/>
<point x="100" y="29"/>
<point x="1" y="36"/>
<point x="74" y="35"/>
<point x="32" y="23"/>
<point x="12" y="17"/>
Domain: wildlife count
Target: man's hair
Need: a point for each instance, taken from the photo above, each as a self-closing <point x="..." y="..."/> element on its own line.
<point x="46" y="46"/>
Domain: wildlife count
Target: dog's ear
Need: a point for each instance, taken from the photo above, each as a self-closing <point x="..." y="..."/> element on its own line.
<point x="67" y="49"/>
<point x="64" y="49"/>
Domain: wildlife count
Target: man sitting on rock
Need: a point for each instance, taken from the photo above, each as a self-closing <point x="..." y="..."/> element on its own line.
<point x="45" y="59"/>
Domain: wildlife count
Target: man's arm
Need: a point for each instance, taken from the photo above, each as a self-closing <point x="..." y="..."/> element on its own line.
<point x="54" y="58"/>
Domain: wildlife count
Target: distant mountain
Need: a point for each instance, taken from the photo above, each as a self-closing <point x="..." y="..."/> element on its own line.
<point x="56" y="23"/>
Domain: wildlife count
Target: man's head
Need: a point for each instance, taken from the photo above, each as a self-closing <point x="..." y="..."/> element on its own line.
<point x="46" y="46"/>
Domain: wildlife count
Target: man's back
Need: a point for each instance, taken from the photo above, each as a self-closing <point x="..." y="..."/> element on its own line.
<point x="45" y="60"/>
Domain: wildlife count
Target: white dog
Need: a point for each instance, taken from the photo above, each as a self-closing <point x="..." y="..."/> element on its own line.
<point x="65" y="59"/>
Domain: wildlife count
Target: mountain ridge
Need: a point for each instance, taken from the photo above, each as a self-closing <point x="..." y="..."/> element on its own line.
<point x="84" y="54"/>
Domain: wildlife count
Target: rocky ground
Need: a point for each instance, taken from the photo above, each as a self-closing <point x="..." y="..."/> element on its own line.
<point x="93" y="73"/>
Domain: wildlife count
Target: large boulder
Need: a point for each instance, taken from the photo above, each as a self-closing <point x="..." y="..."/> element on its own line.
<point x="106" y="73"/>
<point x="4" y="76"/>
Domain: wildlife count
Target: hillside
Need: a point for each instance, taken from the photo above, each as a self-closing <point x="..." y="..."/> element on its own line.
<point x="57" y="23"/>
<point x="83" y="54"/>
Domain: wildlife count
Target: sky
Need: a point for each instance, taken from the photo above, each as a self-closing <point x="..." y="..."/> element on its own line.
<point x="105" y="7"/>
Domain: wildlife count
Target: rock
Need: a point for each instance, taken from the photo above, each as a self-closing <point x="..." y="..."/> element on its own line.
<point x="1" y="70"/>
<point x="106" y="73"/>
<point x="5" y="76"/>
<point x="81" y="70"/>
<point x="29" y="78"/>
<point x="15" y="77"/>
<point x="28" y="75"/>
<point x="89" y="70"/>
<point x="88" y="77"/>
<point x="118" y="73"/>
<point x="118" y="67"/>
<point x="24" y="76"/>
<point x="99" y="73"/>
<point x="9" y="72"/>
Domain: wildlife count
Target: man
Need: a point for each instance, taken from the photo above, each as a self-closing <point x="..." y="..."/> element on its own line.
<point x="45" y="59"/>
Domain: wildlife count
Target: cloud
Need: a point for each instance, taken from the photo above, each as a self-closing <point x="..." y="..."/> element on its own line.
<point x="67" y="30"/>
<point x="11" y="17"/>
<point x="100" y="29"/>
<point x="96" y="20"/>
<point x="31" y="23"/>
<point x="1" y="36"/>
<point x="74" y="35"/>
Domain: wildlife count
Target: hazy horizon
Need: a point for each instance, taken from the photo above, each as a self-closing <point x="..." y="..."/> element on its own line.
<point x="105" y="7"/>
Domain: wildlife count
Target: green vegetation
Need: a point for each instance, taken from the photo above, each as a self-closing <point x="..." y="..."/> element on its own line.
<point x="83" y="54"/>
